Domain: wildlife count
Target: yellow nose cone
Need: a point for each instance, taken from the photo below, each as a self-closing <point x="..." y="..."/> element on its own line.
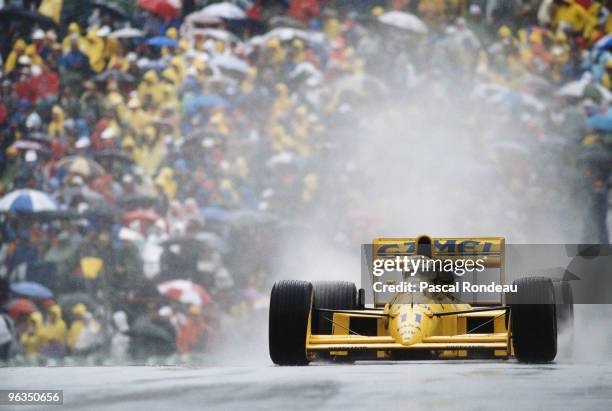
<point x="410" y="323"/>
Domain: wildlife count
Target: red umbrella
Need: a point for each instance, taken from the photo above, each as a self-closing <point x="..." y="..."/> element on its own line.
<point x="165" y="8"/>
<point x="184" y="291"/>
<point x="21" y="306"/>
<point x="140" y="215"/>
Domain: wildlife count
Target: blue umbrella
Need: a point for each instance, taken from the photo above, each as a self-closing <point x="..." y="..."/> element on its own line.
<point x="27" y="201"/>
<point x="31" y="289"/>
<point x="162" y="41"/>
<point x="601" y="122"/>
<point x="211" y="100"/>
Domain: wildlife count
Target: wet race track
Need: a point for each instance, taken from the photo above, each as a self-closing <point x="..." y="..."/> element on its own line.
<point x="480" y="385"/>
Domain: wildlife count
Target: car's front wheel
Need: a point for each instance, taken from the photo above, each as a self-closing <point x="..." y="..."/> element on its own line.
<point x="290" y="308"/>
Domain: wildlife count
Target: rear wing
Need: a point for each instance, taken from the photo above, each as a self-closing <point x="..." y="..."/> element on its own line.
<point x="490" y="251"/>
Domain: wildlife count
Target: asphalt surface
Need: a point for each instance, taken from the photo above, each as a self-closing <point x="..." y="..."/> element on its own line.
<point x="431" y="385"/>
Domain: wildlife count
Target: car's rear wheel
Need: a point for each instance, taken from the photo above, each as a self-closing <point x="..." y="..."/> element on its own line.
<point x="533" y="320"/>
<point x="331" y="295"/>
<point x="290" y="307"/>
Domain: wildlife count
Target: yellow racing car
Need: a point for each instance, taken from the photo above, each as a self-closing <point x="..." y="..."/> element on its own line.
<point x="329" y="320"/>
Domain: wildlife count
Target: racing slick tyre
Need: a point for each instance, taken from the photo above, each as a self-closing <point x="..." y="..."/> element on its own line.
<point x="290" y="306"/>
<point x="533" y="326"/>
<point x="331" y="295"/>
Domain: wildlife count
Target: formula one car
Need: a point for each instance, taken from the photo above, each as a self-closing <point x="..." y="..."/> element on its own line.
<point x="329" y="320"/>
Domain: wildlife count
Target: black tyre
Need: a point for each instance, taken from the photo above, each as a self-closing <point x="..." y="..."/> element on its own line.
<point x="533" y="326"/>
<point x="331" y="295"/>
<point x="290" y="306"/>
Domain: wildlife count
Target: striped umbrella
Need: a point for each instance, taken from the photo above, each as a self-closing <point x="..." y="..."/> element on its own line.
<point x="27" y="201"/>
<point x="81" y="166"/>
<point x="184" y="291"/>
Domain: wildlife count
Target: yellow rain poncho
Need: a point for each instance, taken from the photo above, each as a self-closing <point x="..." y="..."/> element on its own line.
<point x="165" y="181"/>
<point x="177" y="64"/>
<point x="32" y="53"/>
<point x="55" y="328"/>
<point x="34" y="338"/>
<point x="299" y="54"/>
<point x="280" y="139"/>
<point x="74" y="30"/>
<point x="117" y="61"/>
<point x="170" y="76"/>
<point x="129" y="147"/>
<point x="94" y="48"/>
<point x="151" y="153"/>
<point x="135" y="116"/>
<point x="150" y="85"/>
<point x="11" y="60"/>
<point x="56" y="126"/>
<point x="77" y="326"/>
<point x="277" y="53"/>
<point x="572" y="14"/>
<point x="332" y="28"/>
<point x="172" y="33"/>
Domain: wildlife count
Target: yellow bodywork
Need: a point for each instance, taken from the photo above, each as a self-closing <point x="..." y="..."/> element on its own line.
<point x="439" y="328"/>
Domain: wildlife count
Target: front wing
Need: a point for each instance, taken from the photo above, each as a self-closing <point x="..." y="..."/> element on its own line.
<point x="450" y="341"/>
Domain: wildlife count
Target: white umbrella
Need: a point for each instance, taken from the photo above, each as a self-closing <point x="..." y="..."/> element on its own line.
<point x="126" y="33"/>
<point x="231" y="63"/>
<point x="225" y="10"/>
<point x="282" y="158"/>
<point x="404" y="21"/>
<point x="27" y="201"/>
<point x="218" y="34"/>
<point x="576" y="89"/>
<point x="202" y="17"/>
<point x="288" y="34"/>
<point x="184" y="291"/>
